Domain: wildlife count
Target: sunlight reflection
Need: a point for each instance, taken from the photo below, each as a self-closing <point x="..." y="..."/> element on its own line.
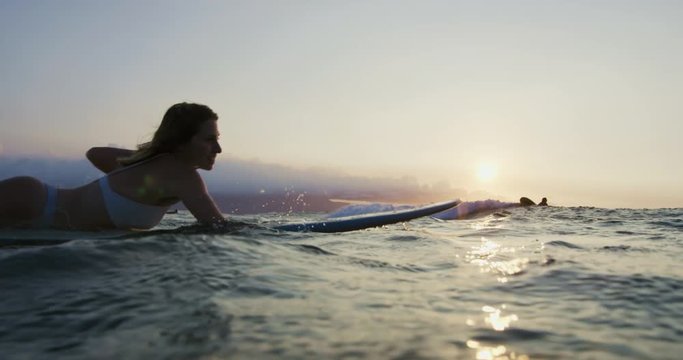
<point x="494" y="318"/>
<point x="485" y="254"/>
<point x="499" y="323"/>
<point x="486" y="223"/>
<point x="498" y="352"/>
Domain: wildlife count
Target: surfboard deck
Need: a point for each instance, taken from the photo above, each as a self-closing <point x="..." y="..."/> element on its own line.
<point x="369" y="220"/>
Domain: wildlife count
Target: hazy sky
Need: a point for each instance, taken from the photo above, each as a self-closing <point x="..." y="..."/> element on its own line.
<point x="577" y="100"/>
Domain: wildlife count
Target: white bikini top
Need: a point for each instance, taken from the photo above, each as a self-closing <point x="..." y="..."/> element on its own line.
<point x="125" y="213"/>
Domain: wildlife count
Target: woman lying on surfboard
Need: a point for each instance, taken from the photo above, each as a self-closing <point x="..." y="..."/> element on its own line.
<point x="139" y="186"/>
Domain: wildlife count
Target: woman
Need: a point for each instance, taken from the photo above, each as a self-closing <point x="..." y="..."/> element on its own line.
<point x="139" y="186"/>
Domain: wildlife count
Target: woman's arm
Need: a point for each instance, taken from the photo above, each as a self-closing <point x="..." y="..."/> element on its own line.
<point x="192" y="192"/>
<point x="105" y="158"/>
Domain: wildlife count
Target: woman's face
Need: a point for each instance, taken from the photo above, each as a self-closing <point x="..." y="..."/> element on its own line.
<point x="202" y="149"/>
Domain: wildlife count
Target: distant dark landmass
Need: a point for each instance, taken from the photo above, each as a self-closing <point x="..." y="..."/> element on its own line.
<point x="250" y="186"/>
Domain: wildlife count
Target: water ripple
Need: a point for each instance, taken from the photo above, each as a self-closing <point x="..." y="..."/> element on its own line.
<point x="536" y="283"/>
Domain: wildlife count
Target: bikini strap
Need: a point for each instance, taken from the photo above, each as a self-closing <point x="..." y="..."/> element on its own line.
<point x="136" y="164"/>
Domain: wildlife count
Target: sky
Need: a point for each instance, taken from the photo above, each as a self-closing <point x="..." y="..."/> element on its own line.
<point x="576" y="100"/>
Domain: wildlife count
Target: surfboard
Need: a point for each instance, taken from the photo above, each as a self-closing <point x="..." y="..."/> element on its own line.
<point x="369" y="220"/>
<point x="25" y="237"/>
<point x="474" y="209"/>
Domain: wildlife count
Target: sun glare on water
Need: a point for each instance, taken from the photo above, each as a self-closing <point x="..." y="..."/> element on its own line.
<point x="486" y="172"/>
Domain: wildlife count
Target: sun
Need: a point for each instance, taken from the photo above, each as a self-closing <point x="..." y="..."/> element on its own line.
<point x="487" y="172"/>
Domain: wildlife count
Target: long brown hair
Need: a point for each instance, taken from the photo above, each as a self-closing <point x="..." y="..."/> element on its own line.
<point x="180" y="123"/>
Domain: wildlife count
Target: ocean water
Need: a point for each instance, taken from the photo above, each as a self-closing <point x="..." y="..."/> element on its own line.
<point x="536" y="283"/>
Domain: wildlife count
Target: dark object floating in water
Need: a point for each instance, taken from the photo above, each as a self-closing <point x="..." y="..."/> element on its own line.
<point x="525" y="201"/>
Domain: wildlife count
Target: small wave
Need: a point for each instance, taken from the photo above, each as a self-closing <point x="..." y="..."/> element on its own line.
<point x="616" y="248"/>
<point x="630" y="292"/>
<point x="489" y="232"/>
<point x="511" y="334"/>
<point x="674" y="224"/>
<point x="564" y="244"/>
<point x="547" y="260"/>
<point x="377" y="264"/>
<point x="311" y="249"/>
<point x="404" y="238"/>
<point x="13" y="239"/>
<point x="611" y="223"/>
<point x="501" y="214"/>
<point x="53" y="261"/>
